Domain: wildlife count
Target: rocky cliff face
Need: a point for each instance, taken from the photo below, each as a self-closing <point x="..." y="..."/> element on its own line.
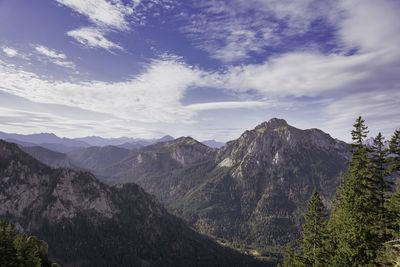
<point x="253" y="189"/>
<point x="88" y="223"/>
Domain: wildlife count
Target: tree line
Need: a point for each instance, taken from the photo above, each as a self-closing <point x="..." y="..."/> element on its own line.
<point x="363" y="227"/>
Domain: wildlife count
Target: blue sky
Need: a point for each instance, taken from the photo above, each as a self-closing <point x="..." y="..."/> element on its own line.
<point x="210" y="69"/>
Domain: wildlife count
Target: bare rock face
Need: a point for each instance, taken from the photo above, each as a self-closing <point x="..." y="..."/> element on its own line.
<point x="88" y="223"/>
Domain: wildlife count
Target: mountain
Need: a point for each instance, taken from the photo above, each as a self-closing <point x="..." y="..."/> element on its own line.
<point x="88" y="223"/>
<point x="161" y="167"/>
<point x="253" y="189"/>
<point x="49" y="157"/>
<point x="213" y="143"/>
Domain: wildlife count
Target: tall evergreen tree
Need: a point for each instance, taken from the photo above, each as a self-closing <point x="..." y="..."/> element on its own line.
<point x="394" y="149"/>
<point x="314" y="233"/>
<point x="354" y="216"/>
<point x="394" y="168"/>
<point x="382" y="184"/>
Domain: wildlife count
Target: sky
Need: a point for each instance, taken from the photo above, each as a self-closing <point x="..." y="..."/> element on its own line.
<point x="209" y="69"/>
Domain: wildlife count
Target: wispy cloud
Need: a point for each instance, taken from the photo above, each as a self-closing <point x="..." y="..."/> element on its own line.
<point x="105" y="15"/>
<point x="55" y="57"/>
<point x="246" y="104"/>
<point x="152" y="96"/>
<point x="49" y="52"/>
<point x="9" y="51"/>
<point x="381" y="109"/>
<point x="233" y="30"/>
<point x="93" y="38"/>
<point x="110" y="14"/>
<point x="12" y="52"/>
<point x="226" y="105"/>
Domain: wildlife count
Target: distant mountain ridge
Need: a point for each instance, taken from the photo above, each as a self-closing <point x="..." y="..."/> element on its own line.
<point x="88" y="223"/>
<point x="65" y="145"/>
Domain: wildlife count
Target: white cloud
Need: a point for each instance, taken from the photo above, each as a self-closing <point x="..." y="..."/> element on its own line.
<point x="92" y="37"/>
<point x="9" y="51"/>
<point x="110" y="14"/>
<point x="226" y="105"/>
<point x="49" y="52"/>
<point x="299" y="74"/>
<point x="55" y="57"/>
<point x="106" y="15"/>
<point x="13" y="53"/>
<point x="370" y="25"/>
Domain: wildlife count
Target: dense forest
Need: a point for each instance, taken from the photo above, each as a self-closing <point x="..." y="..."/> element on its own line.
<point x="363" y="227"/>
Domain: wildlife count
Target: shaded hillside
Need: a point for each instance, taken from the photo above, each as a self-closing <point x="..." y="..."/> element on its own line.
<point x="87" y="223"/>
<point x="97" y="159"/>
<point x="253" y="189"/>
<point x="163" y="168"/>
<point x="49" y="157"/>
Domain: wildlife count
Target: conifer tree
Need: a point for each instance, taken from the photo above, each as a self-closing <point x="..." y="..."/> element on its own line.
<point x="354" y="216"/>
<point x="394" y="150"/>
<point x="382" y="184"/>
<point x="394" y="168"/>
<point x="314" y="233"/>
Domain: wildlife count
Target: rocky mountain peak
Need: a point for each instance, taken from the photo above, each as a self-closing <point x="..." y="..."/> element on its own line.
<point x="185" y="140"/>
<point x="273" y="123"/>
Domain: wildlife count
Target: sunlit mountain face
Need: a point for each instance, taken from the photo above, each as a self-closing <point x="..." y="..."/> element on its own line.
<point x="207" y="69"/>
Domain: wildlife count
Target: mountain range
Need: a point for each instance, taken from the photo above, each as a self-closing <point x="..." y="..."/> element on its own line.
<point x="88" y="223"/>
<point x="252" y="190"/>
<point x="66" y="145"/>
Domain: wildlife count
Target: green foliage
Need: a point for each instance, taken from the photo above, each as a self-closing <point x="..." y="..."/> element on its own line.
<point x="359" y="133"/>
<point x="354" y="217"/>
<point x="364" y="225"/>
<point x="21" y="250"/>
<point x="315" y="233"/>
<point x="291" y="258"/>
<point x="7" y="249"/>
<point x="394" y="149"/>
